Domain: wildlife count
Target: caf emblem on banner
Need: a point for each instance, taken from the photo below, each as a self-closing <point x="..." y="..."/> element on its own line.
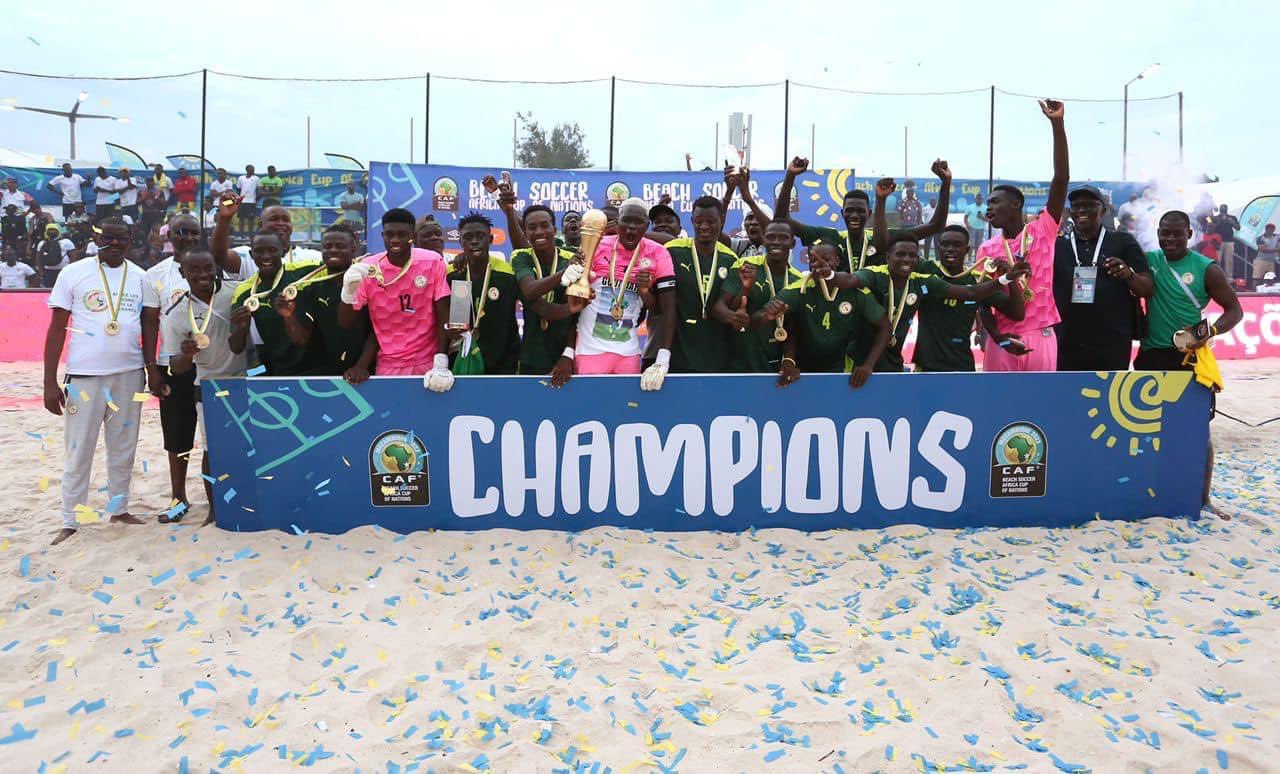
<point x="398" y="472"/>
<point x="617" y="192"/>
<point x="444" y="195"/>
<point x="1019" y="461"/>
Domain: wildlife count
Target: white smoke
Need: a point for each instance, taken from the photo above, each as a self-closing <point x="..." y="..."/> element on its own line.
<point x="1171" y="188"/>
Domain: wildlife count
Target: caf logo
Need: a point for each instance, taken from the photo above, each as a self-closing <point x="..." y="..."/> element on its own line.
<point x="617" y="192"/>
<point x="95" y="301"/>
<point x="175" y="295"/>
<point x="444" y="195"/>
<point x="398" y="472"/>
<point x="1019" y="461"/>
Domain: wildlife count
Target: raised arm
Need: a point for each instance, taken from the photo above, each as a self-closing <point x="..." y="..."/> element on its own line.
<point x="507" y="203"/>
<point x="879" y="219"/>
<point x="761" y="217"/>
<point x="223" y="256"/>
<point x="1053" y="110"/>
<point x="783" y="203"/>
<point x="939" y="219"/>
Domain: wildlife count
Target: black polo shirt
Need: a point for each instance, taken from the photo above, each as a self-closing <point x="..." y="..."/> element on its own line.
<point x="1113" y="316"/>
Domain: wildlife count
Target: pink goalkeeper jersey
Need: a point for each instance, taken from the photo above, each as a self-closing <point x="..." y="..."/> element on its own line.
<point x="403" y="312"/>
<point x="1042" y="310"/>
<point x="598" y="332"/>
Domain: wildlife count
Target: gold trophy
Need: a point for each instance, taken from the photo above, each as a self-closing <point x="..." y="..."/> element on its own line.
<point x="590" y="229"/>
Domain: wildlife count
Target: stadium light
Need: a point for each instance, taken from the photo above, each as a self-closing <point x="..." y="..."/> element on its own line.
<point x="1149" y="71"/>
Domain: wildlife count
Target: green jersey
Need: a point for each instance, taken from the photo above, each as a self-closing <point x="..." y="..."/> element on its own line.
<point x="493" y="315"/>
<point x="270" y="188"/>
<point x="942" y="339"/>
<point x="827" y="327"/>
<point x="540" y="349"/>
<point x="755" y="351"/>
<point x="334" y="349"/>
<point x="279" y="354"/>
<point x="1180" y="296"/>
<point x="701" y="344"/>
<point x="856" y="252"/>
<point x="900" y="307"/>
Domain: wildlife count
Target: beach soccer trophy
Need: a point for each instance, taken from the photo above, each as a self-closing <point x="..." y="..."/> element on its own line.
<point x="459" y="306"/>
<point x="734" y="159"/>
<point x="590" y="229"/>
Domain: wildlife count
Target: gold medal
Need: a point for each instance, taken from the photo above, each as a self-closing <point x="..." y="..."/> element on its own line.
<point x="543" y="324"/>
<point x="893" y="341"/>
<point x="202" y="340"/>
<point x="252" y="303"/>
<point x="112" y="328"/>
<point x="290" y="292"/>
<point x="780" y="333"/>
<point x="616" y="311"/>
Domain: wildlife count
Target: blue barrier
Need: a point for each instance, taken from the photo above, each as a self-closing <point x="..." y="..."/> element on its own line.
<point x="707" y="452"/>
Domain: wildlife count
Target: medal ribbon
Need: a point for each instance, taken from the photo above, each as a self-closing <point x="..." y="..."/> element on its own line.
<point x="191" y="316"/>
<point x="862" y="255"/>
<point x="1027" y="292"/>
<point x="106" y="285"/>
<point x="704" y="290"/>
<point x="253" y="290"/>
<point x="484" y="290"/>
<point x="619" y="287"/>
<point x="897" y="310"/>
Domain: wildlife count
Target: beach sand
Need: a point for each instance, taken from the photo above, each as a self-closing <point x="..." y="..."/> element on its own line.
<point x="1112" y="647"/>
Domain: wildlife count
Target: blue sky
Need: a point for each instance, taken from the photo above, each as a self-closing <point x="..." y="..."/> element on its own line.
<point x="1217" y="58"/>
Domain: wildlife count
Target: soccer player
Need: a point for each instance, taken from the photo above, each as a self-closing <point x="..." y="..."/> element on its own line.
<point x="335" y="350"/>
<point x="197" y="328"/>
<point x="570" y="223"/>
<point x="539" y="267"/>
<point x="942" y="343"/>
<point x="855" y="243"/>
<point x="108" y="361"/>
<point x="494" y="335"/>
<point x="259" y="300"/>
<point x="1028" y="344"/>
<point x="759" y="279"/>
<point x="628" y="271"/>
<point x="429" y="234"/>
<point x="1185" y="282"/>
<point x="823" y="321"/>
<point x="163" y="287"/>
<point x="702" y="328"/>
<point x="408" y="298"/>
<point x="899" y="288"/>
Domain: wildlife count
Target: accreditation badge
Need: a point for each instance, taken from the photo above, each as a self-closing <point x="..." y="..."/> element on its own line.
<point x="1083" y="284"/>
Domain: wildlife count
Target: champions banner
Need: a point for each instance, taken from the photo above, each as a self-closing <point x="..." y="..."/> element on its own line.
<point x="451" y="192"/>
<point x="706" y="452"/>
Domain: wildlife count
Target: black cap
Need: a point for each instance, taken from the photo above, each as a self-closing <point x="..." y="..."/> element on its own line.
<point x="660" y="209"/>
<point x="1086" y="192"/>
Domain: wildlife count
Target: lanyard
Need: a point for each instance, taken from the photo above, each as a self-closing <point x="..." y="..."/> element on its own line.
<point x="1023" y="240"/>
<point x="537" y="269"/>
<point x="619" y="287"/>
<point x="254" y="292"/>
<point x="1097" y="249"/>
<point x="899" y="308"/>
<point x="403" y="271"/>
<point x="848" y="247"/>
<point x="119" y="300"/>
<point x="704" y="290"/>
<point x="199" y="330"/>
<point x="484" y="289"/>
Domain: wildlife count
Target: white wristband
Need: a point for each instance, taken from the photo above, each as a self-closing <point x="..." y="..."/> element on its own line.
<point x="663" y="358"/>
<point x="568" y="352"/>
<point x="1004" y="279"/>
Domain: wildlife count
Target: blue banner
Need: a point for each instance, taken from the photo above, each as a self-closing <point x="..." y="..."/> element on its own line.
<point x="310" y="188"/>
<point x="706" y="452"/>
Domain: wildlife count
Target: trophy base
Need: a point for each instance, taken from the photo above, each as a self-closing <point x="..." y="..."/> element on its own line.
<point x="577" y="292"/>
<point x="456" y="326"/>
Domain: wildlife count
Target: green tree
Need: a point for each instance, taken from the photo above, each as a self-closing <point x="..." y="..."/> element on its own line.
<point x="564" y="147"/>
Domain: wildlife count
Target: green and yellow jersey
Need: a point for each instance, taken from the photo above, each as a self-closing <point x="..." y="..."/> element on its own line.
<point x="756" y="350"/>
<point x="827" y="321"/>
<point x="279" y="354"/>
<point x="540" y="348"/>
<point x="493" y="314"/>
<point x="701" y="344"/>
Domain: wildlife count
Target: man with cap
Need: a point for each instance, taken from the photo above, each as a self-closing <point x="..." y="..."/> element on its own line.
<point x="1098" y="277"/>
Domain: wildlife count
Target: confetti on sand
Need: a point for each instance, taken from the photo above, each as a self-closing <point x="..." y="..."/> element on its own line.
<point x="1113" y="646"/>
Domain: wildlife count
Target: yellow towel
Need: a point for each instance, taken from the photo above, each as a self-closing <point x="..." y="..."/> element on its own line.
<point x="1206" y="367"/>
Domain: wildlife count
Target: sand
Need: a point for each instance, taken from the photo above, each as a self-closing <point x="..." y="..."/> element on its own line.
<point x="1113" y="647"/>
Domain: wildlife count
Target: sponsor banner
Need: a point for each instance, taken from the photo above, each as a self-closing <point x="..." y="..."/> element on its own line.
<point x="450" y="192"/>
<point x="706" y="452"/>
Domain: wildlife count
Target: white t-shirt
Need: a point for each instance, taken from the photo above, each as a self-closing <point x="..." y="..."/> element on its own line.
<point x="219" y="187"/>
<point x="16" y="198"/>
<point x="67" y="246"/>
<point x="14" y="277"/>
<point x="69" y="187"/>
<point x="216" y="360"/>
<point x="248" y="188"/>
<point x="91" y="249"/>
<point x="129" y="196"/>
<point x="80" y="290"/>
<point x="105" y="189"/>
<point x="164" y="285"/>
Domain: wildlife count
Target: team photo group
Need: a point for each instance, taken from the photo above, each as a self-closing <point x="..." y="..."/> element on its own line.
<point x="626" y="289"/>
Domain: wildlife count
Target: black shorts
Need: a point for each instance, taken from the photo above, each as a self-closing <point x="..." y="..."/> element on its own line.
<point x="178" y="411"/>
<point x="1095" y="356"/>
